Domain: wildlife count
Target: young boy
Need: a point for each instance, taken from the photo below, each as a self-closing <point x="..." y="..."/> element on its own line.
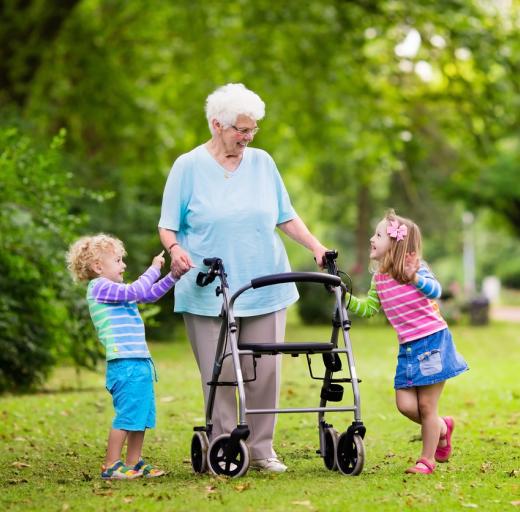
<point x="130" y="370"/>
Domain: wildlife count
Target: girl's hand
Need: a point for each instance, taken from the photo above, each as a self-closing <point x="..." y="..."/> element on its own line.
<point x="181" y="261"/>
<point x="158" y="261"/>
<point x="411" y="266"/>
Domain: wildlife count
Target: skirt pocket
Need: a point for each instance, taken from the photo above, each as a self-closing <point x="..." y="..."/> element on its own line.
<point x="430" y="362"/>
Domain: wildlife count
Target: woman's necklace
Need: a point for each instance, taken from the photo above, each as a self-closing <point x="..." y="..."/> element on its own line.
<point x="223" y="160"/>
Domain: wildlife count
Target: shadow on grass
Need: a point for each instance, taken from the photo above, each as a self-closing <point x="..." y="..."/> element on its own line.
<point x="67" y="389"/>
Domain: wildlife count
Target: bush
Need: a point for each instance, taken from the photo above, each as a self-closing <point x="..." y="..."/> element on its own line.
<point x="509" y="273"/>
<point x="315" y="305"/>
<point x="41" y="316"/>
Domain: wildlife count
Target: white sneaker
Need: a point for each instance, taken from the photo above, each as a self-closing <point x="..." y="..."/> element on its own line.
<point x="272" y="464"/>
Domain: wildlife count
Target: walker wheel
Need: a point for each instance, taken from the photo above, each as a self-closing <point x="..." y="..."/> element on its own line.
<point x="350" y="455"/>
<point x="199" y="451"/>
<point x="234" y="466"/>
<point x="330" y="438"/>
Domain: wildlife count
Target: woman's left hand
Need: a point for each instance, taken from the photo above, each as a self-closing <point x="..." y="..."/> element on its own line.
<point x="319" y="255"/>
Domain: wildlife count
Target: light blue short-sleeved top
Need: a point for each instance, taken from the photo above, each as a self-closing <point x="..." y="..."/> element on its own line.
<point x="233" y="219"/>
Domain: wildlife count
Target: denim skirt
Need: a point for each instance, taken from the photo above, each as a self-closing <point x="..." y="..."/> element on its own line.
<point x="428" y="360"/>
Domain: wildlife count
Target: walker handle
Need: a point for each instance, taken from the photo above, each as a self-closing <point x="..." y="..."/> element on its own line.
<point x="296" y="277"/>
<point x="216" y="268"/>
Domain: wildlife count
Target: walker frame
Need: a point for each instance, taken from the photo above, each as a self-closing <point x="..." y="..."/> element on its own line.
<point x="228" y="454"/>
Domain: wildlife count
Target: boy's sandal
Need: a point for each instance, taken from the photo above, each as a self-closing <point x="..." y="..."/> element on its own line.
<point x="118" y="471"/>
<point x="426" y="470"/>
<point x="147" y="470"/>
<point x="442" y="453"/>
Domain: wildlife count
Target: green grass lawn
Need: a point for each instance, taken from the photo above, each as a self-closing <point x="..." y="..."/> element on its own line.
<point x="53" y="442"/>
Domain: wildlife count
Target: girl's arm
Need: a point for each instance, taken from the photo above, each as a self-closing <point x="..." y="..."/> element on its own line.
<point x="426" y="283"/>
<point x="142" y="290"/>
<point x="366" y="307"/>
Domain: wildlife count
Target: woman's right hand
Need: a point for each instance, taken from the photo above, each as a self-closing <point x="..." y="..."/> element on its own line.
<point x="180" y="261"/>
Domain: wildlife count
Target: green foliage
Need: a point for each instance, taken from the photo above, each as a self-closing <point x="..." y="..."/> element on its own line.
<point x="40" y="315"/>
<point x="315" y="306"/>
<point x="509" y="273"/>
<point x="354" y="125"/>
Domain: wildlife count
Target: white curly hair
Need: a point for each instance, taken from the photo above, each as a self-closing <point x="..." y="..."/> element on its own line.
<point x="228" y="102"/>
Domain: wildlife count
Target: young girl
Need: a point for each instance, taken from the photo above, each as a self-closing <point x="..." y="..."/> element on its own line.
<point x="404" y="287"/>
<point x="129" y="377"/>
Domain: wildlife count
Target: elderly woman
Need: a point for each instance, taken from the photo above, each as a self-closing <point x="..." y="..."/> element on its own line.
<point x="225" y="199"/>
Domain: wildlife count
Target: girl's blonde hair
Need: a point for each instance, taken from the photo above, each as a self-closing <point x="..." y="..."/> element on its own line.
<point x="86" y="251"/>
<point x="394" y="260"/>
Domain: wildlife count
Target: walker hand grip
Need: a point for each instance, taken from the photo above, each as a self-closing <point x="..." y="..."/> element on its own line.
<point x="215" y="268"/>
<point x="330" y="262"/>
<point x="296" y="277"/>
<point x="210" y="261"/>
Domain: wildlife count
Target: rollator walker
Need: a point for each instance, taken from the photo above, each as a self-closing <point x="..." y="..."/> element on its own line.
<point x="228" y="454"/>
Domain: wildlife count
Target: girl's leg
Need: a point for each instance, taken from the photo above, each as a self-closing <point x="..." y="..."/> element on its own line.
<point x="407" y="402"/>
<point x="116" y="440"/>
<point x="431" y="423"/>
<point x="135" y="447"/>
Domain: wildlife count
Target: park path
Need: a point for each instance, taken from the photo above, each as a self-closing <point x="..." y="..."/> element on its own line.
<point x="505" y="313"/>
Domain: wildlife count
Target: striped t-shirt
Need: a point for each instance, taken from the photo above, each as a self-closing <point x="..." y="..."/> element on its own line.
<point x="409" y="308"/>
<point x="113" y="309"/>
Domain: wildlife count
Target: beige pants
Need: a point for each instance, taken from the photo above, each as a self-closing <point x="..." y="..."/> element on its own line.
<point x="203" y="332"/>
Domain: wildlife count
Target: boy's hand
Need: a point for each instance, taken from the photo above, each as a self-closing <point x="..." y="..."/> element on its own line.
<point x="158" y="261"/>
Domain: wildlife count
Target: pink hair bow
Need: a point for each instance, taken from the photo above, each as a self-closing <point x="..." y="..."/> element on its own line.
<point x="396" y="231"/>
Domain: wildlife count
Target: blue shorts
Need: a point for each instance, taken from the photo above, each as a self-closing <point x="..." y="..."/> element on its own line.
<point x="428" y="360"/>
<point x="130" y="382"/>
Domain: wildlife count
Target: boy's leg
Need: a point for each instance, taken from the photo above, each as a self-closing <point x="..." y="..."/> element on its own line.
<point x="134" y="447"/>
<point x="116" y="440"/>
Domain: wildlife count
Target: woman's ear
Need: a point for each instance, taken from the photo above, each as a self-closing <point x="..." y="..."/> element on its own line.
<point x="217" y="126"/>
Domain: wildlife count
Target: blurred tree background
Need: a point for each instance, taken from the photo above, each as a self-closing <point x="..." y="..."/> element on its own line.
<point x="370" y="104"/>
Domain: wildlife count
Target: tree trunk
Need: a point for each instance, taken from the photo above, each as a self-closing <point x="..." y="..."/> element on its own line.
<point x="362" y="229"/>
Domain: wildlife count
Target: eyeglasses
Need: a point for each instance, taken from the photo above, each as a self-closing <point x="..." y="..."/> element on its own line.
<point x="246" y="131"/>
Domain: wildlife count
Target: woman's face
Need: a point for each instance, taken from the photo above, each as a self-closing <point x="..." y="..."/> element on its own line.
<point x="235" y="138"/>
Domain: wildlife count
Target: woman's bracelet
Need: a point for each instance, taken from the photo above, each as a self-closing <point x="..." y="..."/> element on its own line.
<point x="172" y="246"/>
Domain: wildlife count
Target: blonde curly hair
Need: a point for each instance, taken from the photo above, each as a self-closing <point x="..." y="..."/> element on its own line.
<point x="87" y="250"/>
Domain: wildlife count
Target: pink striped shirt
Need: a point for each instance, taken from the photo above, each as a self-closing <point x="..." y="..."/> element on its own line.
<point x="410" y="312"/>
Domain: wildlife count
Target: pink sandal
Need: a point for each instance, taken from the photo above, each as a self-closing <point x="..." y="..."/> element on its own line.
<point x="427" y="470"/>
<point x="442" y="453"/>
